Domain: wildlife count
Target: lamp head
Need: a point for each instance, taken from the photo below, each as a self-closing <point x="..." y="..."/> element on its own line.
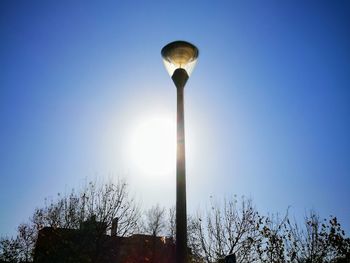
<point x="179" y="55"/>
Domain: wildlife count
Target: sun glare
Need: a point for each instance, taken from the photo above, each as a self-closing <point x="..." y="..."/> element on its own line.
<point x="152" y="145"/>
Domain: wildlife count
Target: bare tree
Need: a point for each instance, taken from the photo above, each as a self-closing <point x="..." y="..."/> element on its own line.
<point x="313" y="243"/>
<point x="232" y="226"/>
<point x="226" y="229"/>
<point x="271" y="242"/>
<point x="104" y="202"/>
<point x="317" y="241"/>
<point x="19" y="249"/>
<point x="154" y="221"/>
<point x="9" y="248"/>
<point x="171" y="223"/>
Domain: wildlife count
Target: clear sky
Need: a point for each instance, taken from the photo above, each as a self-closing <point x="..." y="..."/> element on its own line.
<point x="267" y="107"/>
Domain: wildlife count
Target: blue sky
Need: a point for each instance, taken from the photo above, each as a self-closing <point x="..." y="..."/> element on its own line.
<point x="267" y="107"/>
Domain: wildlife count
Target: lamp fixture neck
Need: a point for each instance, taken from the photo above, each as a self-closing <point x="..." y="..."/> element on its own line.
<point x="180" y="78"/>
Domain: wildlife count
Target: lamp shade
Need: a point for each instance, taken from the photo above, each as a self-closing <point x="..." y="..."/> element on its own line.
<point x="179" y="54"/>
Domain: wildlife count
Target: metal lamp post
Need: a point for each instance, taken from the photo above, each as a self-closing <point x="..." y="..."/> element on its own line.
<point x="179" y="59"/>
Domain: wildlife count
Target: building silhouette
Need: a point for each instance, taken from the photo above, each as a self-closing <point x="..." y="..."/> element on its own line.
<point x="90" y="243"/>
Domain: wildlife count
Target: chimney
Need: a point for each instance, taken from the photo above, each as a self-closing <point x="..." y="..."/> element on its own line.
<point x="114" y="227"/>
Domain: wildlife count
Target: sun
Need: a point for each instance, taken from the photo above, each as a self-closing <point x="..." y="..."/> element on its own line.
<point x="152" y="145"/>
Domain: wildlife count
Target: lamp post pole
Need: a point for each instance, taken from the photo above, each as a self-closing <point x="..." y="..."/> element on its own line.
<point x="180" y="77"/>
<point x="180" y="58"/>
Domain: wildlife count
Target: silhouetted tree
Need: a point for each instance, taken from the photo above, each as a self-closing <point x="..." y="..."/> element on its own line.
<point x="236" y="227"/>
<point x="171" y="223"/>
<point x="9" y="249"/>
<point x="271" y="241"/>
<point x="313" y="242"/>
<point x="154" y="221"/>
<point x="225" y="229"/>
<point x="232" y="226"/>
<point x="19" y="249"/>
<point x="318" y="241"/>
<point x="103" y="202"/>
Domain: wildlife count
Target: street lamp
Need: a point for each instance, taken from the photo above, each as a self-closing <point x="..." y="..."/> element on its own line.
<point x="179" y="58"/>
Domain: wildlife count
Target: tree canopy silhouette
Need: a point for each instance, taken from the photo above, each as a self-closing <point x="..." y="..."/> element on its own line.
<point x="232" y="225"/>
